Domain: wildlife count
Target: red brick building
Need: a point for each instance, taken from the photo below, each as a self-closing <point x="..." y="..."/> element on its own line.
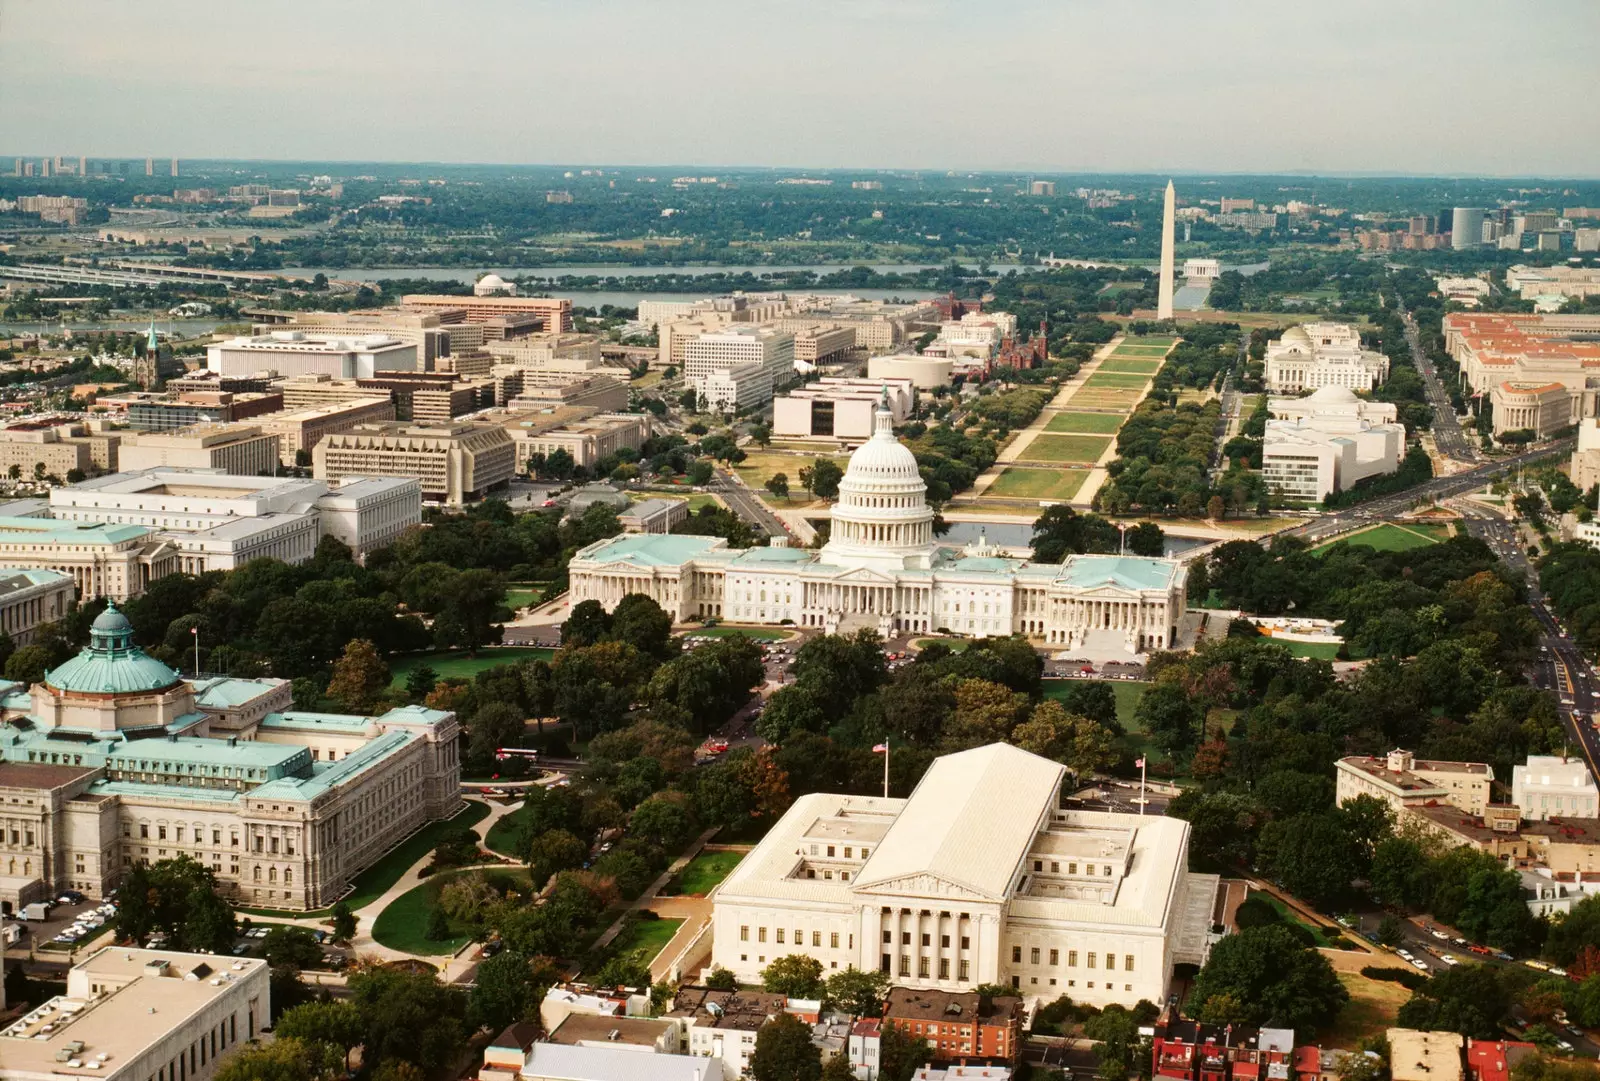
<point x="960" y="1026"/>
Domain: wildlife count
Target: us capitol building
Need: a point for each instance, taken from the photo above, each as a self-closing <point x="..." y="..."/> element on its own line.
<point x="881" y="569"/>
<point x="115" y="759"/>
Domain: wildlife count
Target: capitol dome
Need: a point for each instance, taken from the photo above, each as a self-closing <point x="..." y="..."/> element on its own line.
<point x="882" y="518"/>
<point x="1334" y="396"/>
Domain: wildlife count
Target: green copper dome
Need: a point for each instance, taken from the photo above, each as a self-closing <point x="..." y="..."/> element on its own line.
<point x="112" y="664"/>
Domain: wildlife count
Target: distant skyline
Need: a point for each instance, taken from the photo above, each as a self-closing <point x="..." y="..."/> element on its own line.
<point x="1428" y="88"/>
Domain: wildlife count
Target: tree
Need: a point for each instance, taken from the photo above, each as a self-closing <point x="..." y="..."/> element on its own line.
<point x="334" y="1023"/>
<point x="438" y="929"/>
<point x="858" y="992"/>
<point x="554" y="851"/>
<point x="720" y="979"/>
<point x="1146" y="539"/>
<point x="409" y="1016"/>
<point x="587" y="624"/>
<point x="468" y="616"/>
<point x="495" y="725"/>
<point x="359" y="677"/>
<point x="281" y="1060"/>
<point x="761" y="433"/>
<point x="509" y="988"/>
<point x="642" y="623"/>
<point x="1273" y="978"/>
<point x="179" y="897"/>
<point x="344" y="922"/>
<point x="1470" y="999"/>
<point x="1399" y="876"/>
<point x="700" y="472"/>
<point x="778" y="485"/>
<point x="294" y="946"/>
<point x="1170" y="714"/>
<point x="824" y="478"/>
<point x="985" y="713"/>
<point x="900" y="1053"/>
<point x="29" y="664"/>
<point x="784" y="1051"/>
<point x="420" y="680"/>
<point x="1117" y="1031"/>
<point x="1313" y="855"/>
<point x="795" y="975"/>
<point x="1076" y="742"/>
<point x="1061" y="531"/>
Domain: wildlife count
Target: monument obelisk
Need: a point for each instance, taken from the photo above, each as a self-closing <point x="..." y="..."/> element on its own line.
<point x="1164" y="287"/>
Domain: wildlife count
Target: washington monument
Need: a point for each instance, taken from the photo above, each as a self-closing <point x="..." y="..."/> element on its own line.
<point x="1164" y="288"/>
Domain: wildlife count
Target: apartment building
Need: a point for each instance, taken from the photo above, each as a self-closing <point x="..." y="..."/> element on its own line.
<point x="299" y="430"/>
<point x="454" y="463"/>
<point x="1401" y="779"/>
<point x="130" y="1015"/>
<point x="191" y="407"/>
<point x="303" y="352"/>
<point x="229" y="448"/>
<point x="960" y="1026"/>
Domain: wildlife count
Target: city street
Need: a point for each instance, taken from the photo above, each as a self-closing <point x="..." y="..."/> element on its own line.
<point x="1452" y="442"/>
<point x="747" y="505"/>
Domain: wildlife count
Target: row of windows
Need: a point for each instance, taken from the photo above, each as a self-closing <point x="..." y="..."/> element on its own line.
<point x="924" y="967"/>
<point x="1072" y="868"/>
<point x="848" y="851"/>
<point x="927" y="940"/>
<point x="1072" y="958"/>
<point x="799" y="937"/>
<point x="205" y="1049"/>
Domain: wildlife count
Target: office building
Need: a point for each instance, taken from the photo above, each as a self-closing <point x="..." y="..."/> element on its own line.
<point x="55" y="446"/>
<point x="284" y="808"/>
<point x="1584" y="467"/>
<point x="1230" y="206"/>
<point x="584" y="434"/>
<point x="130" y="1015"/>
<point x="1400" y="779"/>
<point x="882" y="569"/>
<point x="1316" y="355"/>
<point x="739" y="367"/>
<point x="1516" y="360"/>
<point x="1325" y="443"/>
<point x="299" y="352"/>
<point x="116" y="561"/>
<point x="31" y="598"/>
<point x="1530" y="283"/>
<point x="978" y="878"/>
<point x="229" y="448"/>
<point x="556" y="1062"/>
<point x="840" y="409"/>
<point x="959" y="1025"/>
<point x="1550" y="786"/>
<point x="454" y="463"/>
<point x="653" y="515"/>
<point x="299" y="430"/>
<point x="1042" y="187"/>
<point x="1466" y="227"/>
<point x="187" y="408"/>
<point x="526" y="389"/>
<point x="217" y="521"/>
<point x="554" y="312"/>
<point x="823" y="345"/>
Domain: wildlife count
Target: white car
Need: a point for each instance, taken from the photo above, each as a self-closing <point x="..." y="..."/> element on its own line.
<point x="1406" y="954"/>
<point x="1420" y="964"/>
<point x="1440" y="935"/>
<point x="1448" y="959"/>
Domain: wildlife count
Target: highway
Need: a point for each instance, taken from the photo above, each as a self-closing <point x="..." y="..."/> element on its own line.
<point x="1447" y="434"/>
<point x="1439" y="488"/>
<point x="747" y="505"/>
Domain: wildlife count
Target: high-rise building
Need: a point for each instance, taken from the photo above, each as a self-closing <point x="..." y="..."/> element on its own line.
<point x="149" y="166"/>
<point x="1164" y="287"/>
<point x="174" y="166"/>
<point x="1466" y="227"/>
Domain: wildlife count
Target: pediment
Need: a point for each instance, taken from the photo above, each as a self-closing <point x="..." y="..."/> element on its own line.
<point x="924" y="884"/>
<point x="865" y="575"/>
<point x="1105" y="591"/>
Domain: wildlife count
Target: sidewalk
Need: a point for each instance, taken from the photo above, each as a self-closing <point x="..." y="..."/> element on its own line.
<point x="649" y="895"/>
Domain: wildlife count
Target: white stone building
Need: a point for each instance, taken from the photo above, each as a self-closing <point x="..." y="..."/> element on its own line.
<point x="1316" y="355"/>
<point x="740" y="366"/>
<point x="1324" y="443"/>
<point x="219" y="521"/>
<point x="882" y="569"/>
<point x="1552" y="786"/>
<point x="132" y="1014"/>
<point x="979" y="877"/>
<point x="31" y="598"/>
<point x="297" y="352"/>
<point x="1401" y="779"/>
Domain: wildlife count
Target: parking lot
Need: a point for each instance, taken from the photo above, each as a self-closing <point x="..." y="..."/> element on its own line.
<point x="69" y="924"/>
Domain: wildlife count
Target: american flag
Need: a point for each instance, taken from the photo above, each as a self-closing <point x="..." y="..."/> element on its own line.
<point x="1139" y="762"/>
<point x="882" y="748"/>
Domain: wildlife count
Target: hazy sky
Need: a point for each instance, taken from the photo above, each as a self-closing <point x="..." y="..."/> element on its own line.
<point x="1410" y="86"/>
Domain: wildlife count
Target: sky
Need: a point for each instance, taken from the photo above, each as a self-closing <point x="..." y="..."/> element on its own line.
<point x="1417" y="87"/>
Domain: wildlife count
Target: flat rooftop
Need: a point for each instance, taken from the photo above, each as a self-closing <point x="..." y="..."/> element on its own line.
<point x="138" y="1006"/>
<point x="594" y="1028"/>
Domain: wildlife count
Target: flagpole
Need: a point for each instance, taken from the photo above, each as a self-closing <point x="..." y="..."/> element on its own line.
<point x="1143" y="761"/>
<point x="886" y="768"/>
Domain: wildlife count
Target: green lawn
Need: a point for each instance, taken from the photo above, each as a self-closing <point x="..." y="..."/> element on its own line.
<point x="1092" y="423"/>
<point x="1121" y="400"/>
<point x="517" y="598"/>
<point x="1388" y="537"/>
<point x="704" y="872"/>
<point x="503" y="835"/>
<point x="1127" y="691"/>
<point x="403" y="924"/>
<point x="1115" y="381"/>
<point x="372" y="883"/>
<point x="1137" y="365"/>
<point x="1138" y="351"/>
<point x="1017" y="483"/>
<point x="1163" y="340"/>
<point x="1065" y="448"/>
<point x="740" y="632"/>
<point x="701" y="500"/>
<point x="1324" y="651"/>
<point x="642" y="939"/>
<point x="455" y="664"/>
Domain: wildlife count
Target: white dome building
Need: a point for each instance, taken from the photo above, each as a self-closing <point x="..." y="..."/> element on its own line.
<point x="493" y="285"/>
<point x="883" y="569"/>
<point x="882" y="518"/>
